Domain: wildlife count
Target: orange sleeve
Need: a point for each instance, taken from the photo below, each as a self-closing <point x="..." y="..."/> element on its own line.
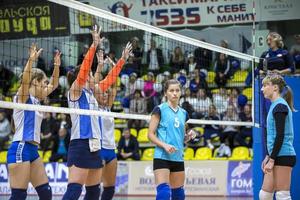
<point x="86" y="66"/>
<point x="111" y="76"/>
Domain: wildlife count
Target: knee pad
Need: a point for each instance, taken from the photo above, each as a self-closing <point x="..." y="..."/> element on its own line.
<point x="178" y="193"/>
<point x="108" y="193"/>
<point x="44" y="191"/>
<point x="73" y="191"/>
<point x="283" y="195"/>
<point x="18" y="194"/>
<point x="263" y="195"/>
<point x="163" y="192"/>
<point x="92" y="192"/>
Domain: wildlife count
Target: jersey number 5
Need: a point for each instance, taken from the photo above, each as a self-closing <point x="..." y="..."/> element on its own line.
<point x="176" y="124"/>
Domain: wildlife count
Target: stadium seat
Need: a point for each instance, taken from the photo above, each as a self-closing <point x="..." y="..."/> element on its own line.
<point x="239" y="77"/>
<point x="248" y="93"/>
<point x="215" y="91"/>
<point x="189" y="154"/>
<point x="145" y="77"/>
<point x="203" y="153"/>
<point x="41" y="154"/>
<point x="215" y="157"/>
<point x="47" y="156"/>
<point x="148" y="154"/>
<point x="210" y="77"/>
<point x="9" y="99"/>
<point x="14" y="88"/>
<point x="143" y="135"/>
<point x="240" y="153"/>
<point x="120" y="121"/>
<point x="133" y="132"/>
<point x="3" y="155"/>
<point x="118" y="134"/>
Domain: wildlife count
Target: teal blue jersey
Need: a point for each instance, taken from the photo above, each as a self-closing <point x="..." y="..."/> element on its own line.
<point x="287" y="149"/>
<point x="170" y="130"/>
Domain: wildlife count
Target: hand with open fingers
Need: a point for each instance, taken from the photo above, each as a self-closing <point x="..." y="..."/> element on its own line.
<point x="96" y="35"/>
<point x="100" y="58"/>
<point x="190" y="135"/>
<point x="264" y="162"/>
<point x="57" y="60"/>
<point x="34" y="53"/>
<point x="269" y="166"/>
<point x="169" y="148"/>
<point x="127" y="51"/>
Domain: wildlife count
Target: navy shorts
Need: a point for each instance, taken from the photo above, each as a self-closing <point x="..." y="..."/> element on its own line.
<point x="79" y="154"/>
<point x="173" y="166"/>
<point x="107" y="155"/>
<point x="20" y="151"/>
<point x="289" y="161"/>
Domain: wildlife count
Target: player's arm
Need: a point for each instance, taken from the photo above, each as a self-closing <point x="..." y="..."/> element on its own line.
<point x="115" y="71"/>
<point x="53" y="84"/>
<point x="23" y="91"/>
<point x="78" y="84"/>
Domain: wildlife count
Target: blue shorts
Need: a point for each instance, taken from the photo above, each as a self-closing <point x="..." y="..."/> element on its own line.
<point x="79" y="154"/>
<point x="20" y="151"/>
<point x="107" y="155"/>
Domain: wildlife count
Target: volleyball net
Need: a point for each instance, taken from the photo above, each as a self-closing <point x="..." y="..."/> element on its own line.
<point x="213" y="78"/>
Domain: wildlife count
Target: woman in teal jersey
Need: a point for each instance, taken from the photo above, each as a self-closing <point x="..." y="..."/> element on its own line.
<point x="167" y="131"/>
<point x="281" y="157"/>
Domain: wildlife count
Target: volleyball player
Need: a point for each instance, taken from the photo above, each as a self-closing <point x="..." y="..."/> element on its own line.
<point x="105" y="100"/>
<point x="23" y="160"/>
<point x="281" y="157"/>
<point x="167" y="131"/>
<point x="83" y="160"/>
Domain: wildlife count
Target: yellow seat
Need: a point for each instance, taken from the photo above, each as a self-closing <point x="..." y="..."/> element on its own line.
<point x="240" y="153"/>
<point x="9" y="99"/>
<point x="215" y="91"/>
<point x="210" y="77"/>
<point x="189" y="154"/>
<point x="120" y="121"/>
<point x="143" y="135"/>
<point x="47" y="156"/>
<point x="133" y="132"/>
<point x="239" y="77"/>
<point x="203" y="153"/>
<point x="3" y="155"/>
<point x="215" y="157"/>
<point x="248" y="93"/>
<point x="41" y="154"/>
<point x="148" y="154"/>
<point x="14" y="88"/>
<point x="117" y="133"/>
<point x="199" y="129"/>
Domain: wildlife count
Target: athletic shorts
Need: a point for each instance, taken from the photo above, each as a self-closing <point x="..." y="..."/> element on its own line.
<point x="173" y="166"/>
<point x="20" y="151"/>
<point x="289" y="161"/>
<point x="107" y="155"/>
<point x="79" y="154"/>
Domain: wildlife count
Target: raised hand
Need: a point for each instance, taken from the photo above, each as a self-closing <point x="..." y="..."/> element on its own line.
<point x="100" y="58"/>
<point x="127" y="51"/>
<point x="34" y="53"/>
<point x="96" y="35"/>
<point x="57" y="60"/>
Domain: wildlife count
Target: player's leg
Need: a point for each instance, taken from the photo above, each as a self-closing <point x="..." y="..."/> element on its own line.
<point x="162" y="179"/>
<point x="109" y="173"/>
<point x="177" y="178"/>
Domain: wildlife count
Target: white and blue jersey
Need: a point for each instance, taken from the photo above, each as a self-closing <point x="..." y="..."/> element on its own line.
<point x="107" y="127"/>
<point x="287" y="148"/>
<point x="170" y="130"/>
<point x="84" y="126"/>
<point x="27" y="123"/>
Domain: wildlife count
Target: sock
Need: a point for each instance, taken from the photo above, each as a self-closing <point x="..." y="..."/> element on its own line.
<point x="44" y="191"/>
<point x="18" y="194"/>
<point x="178" y="193"/>
<point x="92" y="192"/>
<point x="108" y="193"/>
<point x="73" y="191"/>
<point x="163" y="192"/>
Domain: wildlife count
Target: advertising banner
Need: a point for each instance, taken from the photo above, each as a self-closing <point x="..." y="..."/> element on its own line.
<point x="33" y="19"/>
<point x="202" y="178"/>
<point x="58" y="179"/>
<point x="239" y="180"/>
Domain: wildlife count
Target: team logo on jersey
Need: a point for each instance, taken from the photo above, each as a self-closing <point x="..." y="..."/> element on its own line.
<point x="120" y="8"/>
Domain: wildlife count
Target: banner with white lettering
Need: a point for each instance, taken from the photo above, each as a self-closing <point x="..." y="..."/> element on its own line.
<point x="239" y="178"/>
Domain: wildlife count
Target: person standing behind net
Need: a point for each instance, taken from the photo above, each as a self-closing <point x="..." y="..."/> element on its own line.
<point x="105" y="98"/>
<point x="83" y="154"/>
<point x="23" y="160"/>
<point x="276" y="59"/>
<point x="281" y="157"/>
<point x="167" y="132"/>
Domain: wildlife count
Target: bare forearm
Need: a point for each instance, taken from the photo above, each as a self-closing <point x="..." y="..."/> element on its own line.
<point x="152" y="137"/>
<point x="55" y="76"/>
